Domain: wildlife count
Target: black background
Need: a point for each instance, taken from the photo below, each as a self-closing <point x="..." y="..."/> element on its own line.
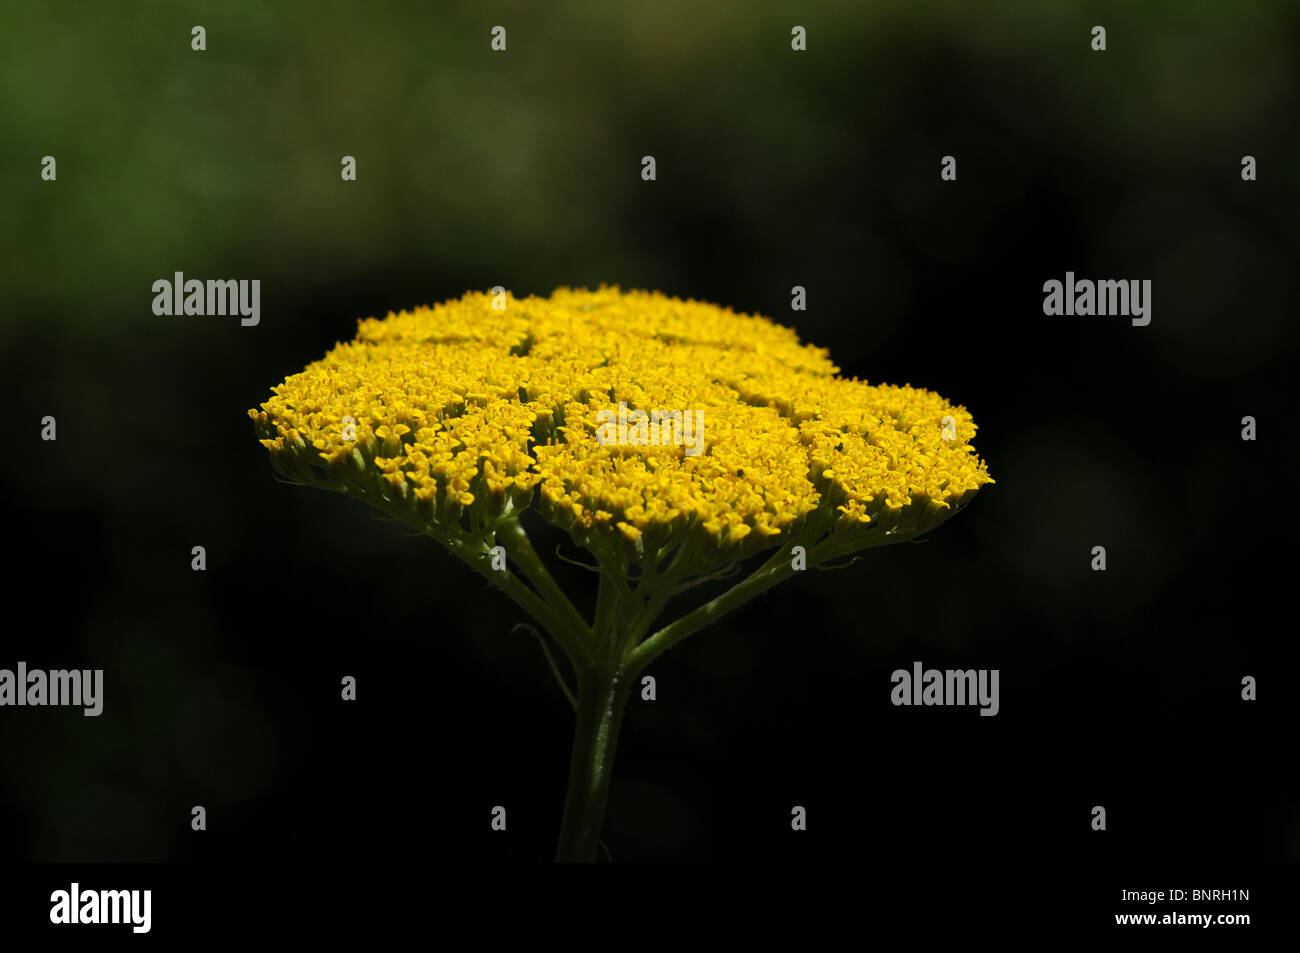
<point x="1119" y="689"/>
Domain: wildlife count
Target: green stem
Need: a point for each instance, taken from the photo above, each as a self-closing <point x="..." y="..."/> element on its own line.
<point x="473" y="551"/>
<point x="550" y="660"/>
<point x="776" y="569"/>
<point x="603" y="691"/>
<point x="574" y="627"/>
<point x="606" y="680"/>
<point x="528" y="600"/>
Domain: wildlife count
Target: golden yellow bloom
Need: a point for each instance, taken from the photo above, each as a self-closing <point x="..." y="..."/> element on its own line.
<point x="461" y="412"/>
<point x="456" y="418"/>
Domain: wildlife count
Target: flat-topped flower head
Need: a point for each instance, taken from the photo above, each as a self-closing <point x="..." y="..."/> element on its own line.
<point x="670" y="438"/>
<point x="730" y="435"/>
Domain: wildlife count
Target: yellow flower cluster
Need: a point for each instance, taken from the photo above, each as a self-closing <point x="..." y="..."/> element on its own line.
<point x="466" y="408"/>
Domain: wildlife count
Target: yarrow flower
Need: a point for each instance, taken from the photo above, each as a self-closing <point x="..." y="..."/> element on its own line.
<point x="460" y="417"/>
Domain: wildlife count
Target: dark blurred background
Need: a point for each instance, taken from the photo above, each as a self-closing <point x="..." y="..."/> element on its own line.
<point x="775" y="169"/>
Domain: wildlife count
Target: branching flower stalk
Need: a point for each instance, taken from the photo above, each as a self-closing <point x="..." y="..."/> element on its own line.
<point x="460" y="418"/>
